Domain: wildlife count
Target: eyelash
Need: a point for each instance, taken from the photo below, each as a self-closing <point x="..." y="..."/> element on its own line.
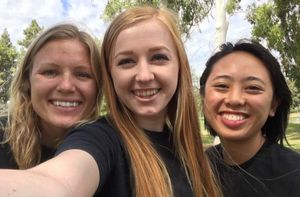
<point x="155" y="58"/>
<point x="50" y="73"/>
<point x="125" y="61"/>
<point x="159" y="57"/>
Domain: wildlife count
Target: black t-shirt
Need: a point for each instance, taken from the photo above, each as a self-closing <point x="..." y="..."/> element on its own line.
<point x="7" y="160"/>
<point x="273" y="171"/>
<point x="105" y="145"/>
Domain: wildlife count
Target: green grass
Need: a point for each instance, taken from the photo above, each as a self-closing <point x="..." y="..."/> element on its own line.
<point x="293" y="136"/>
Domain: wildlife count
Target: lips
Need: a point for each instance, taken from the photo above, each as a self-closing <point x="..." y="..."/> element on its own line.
<point x="145" y="93"/>
<point x="233" y="120"/>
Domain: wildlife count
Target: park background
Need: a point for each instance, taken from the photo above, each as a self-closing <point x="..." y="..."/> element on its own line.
<point x="276" y="24"/>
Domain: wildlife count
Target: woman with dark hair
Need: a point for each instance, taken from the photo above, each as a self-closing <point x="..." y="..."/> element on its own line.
<point x="246" y="102"/>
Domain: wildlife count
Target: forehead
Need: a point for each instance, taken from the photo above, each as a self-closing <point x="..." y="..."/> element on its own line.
<point x="145" y="33"/>
<point x="240" y="64"/>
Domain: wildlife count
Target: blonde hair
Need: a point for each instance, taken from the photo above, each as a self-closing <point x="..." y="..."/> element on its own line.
<point x="22" y="130"/>
<point x="150" y="175"/>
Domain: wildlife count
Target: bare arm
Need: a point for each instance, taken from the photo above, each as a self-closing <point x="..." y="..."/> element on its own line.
<point x="72" y="173"/>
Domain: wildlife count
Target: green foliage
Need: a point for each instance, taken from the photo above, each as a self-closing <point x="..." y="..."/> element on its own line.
<point x="30" y="33"/>
<point x="190" y="12"/>
<point x="295" y="95"/>
<point x="8" y="55"/>
<point x="232" y="6"/>
<point x="277" y="22"/>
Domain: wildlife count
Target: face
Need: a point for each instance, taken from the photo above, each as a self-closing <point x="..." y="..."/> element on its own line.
<point x="238" y="97"/>
<point x="144" y="71"/>
<point x="63" y="89"/>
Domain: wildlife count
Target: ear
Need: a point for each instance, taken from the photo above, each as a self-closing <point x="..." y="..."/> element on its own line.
<point x="273" y="108"/>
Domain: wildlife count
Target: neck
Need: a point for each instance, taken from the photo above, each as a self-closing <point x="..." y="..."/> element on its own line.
<point x="151" y="124"/>
<point x="52" y="136"/>
<point x="240" y="151"/>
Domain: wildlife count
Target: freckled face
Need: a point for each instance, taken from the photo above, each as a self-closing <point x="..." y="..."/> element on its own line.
<point x="62" y="86"/>
<point x="145" y="70"/>
<point x="238" y="97"/>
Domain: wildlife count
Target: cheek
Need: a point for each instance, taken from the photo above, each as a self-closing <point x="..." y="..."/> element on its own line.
<point x="91" y="91"/>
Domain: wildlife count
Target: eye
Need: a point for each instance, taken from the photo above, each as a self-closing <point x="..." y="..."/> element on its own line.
<point x="50" y="73"/>
<point x="221" y="86"/>
<point x="84" y="75"/>
<point x="126" y="61"/>
<point x="160" y="58"/>
<point x="254" y="89"/>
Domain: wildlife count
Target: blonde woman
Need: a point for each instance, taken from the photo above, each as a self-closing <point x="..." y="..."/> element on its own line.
<point x="56" y="85"/>
<point x="149" y="144"/>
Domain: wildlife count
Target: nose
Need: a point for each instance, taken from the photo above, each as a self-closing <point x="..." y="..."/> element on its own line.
<point x="144" y="72"/>
<point x="235" y="97"/>
<point x="66" y="84"/>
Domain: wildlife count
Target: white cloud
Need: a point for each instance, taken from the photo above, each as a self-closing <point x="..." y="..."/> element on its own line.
<point x="16" y="15"/>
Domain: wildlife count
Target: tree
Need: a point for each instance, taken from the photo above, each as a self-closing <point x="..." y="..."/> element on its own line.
<point x="8" y="55"/>
<point x="30" y="33"/>
<point x="295" y="95"/>
<point x="224" y="7"/>
<point x="277" y="23"/>
<point x="191" y="12"/>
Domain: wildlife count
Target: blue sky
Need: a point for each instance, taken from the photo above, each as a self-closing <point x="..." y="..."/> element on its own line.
<point x="16" y="15"/>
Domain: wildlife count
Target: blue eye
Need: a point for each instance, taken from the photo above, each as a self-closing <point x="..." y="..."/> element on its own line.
<point x="50" y="73"/>
<point x="160" y="57"/>
<point x="126" y="61"/>
<point x="84" y="75"/>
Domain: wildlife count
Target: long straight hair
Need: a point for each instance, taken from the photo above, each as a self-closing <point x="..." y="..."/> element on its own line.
<point x="22" y="129"/>
<point x="150" y="175"/>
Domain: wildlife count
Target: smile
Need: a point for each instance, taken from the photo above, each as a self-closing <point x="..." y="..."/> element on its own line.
<point x="65" y="103"/>
<point x="145" y="93"/>
<point x="233" y="117"/>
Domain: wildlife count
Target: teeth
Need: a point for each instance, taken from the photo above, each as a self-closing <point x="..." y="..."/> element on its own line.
<point x="145" y="93"/>
<point x="233" y="117"/>
<point x="65" y="103"/>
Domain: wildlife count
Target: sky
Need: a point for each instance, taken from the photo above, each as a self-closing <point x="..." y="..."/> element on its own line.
<point x="16" y="15"/>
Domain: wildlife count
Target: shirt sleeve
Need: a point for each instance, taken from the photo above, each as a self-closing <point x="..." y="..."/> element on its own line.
<point x="98" y="139"/>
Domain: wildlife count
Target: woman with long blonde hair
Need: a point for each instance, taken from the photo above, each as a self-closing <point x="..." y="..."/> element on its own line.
<point x="149" y="144"/>
<point x="45" y="100"/>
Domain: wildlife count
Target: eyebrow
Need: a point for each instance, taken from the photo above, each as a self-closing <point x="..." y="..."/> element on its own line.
<point x="156" y="48"/>
<point x="250" y="78"/>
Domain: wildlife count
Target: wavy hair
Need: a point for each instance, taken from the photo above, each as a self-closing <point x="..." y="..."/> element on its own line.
<point x="182" y="117"/>
<point x="22" y="131"/>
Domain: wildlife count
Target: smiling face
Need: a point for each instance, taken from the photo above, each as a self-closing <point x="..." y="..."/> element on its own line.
<point x="238" y="97"/>
<point x="144" y="71"/>
<point x="63" y="89"/>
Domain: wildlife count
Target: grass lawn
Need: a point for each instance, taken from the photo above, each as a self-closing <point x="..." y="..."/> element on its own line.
<point x="293" y="136"/>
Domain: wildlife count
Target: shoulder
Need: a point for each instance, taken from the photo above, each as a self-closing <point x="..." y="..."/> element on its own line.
<point x="3" y="122"/>
<point x="98" y="138"/>
<point x="214" y="152"/>
<point x="285" y="156"/>
<point x="6" y="156"/>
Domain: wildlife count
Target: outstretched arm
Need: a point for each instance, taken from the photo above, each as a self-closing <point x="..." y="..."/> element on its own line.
<point x="72" y="173"/>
